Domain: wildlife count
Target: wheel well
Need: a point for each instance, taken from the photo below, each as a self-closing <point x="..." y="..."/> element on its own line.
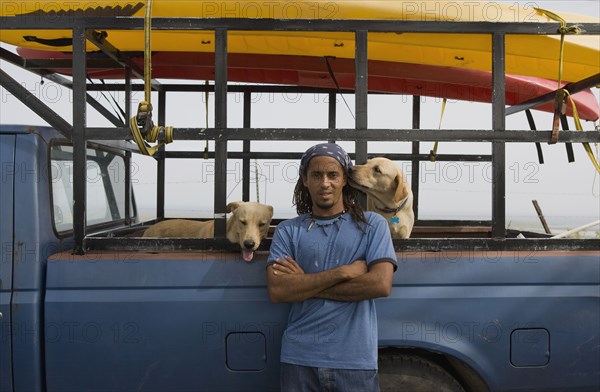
<point x="470" y="380"/>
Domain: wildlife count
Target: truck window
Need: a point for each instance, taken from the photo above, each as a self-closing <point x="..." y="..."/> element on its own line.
<point x="105" y="187"/>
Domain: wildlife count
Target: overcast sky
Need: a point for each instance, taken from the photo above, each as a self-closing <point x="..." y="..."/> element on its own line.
<point x="567" y="192"/>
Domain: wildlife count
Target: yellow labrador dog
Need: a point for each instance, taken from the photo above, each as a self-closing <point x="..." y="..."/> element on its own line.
<point x="247" y="226"/>
<point x="388" y="193"/>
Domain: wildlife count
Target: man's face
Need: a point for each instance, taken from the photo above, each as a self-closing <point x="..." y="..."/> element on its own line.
<point x="325" y="180"/>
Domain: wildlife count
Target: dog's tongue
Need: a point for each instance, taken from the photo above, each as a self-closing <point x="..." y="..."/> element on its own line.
<point x="247" y="255"/>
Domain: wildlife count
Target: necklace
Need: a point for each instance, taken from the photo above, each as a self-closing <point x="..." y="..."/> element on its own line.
<point x="333" y="221"/>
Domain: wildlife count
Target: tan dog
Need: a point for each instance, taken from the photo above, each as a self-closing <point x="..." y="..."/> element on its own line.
<point x="247" y="226"/>
<point x="388" y="193"/>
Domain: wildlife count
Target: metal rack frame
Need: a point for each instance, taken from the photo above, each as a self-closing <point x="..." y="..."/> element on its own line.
<point x="80" y="133"/>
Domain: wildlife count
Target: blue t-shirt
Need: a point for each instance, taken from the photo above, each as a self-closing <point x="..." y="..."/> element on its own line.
<point x="325" y="333"/>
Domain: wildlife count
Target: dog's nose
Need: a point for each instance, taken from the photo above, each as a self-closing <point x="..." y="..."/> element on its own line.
<point x="249" y="244"/>
<point x="351" y="169"/>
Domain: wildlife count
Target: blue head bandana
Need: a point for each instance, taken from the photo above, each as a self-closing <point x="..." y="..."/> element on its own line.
<point x="328" y="150"/>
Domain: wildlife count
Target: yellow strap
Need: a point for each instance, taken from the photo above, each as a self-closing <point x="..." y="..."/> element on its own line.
<point x="137" y="136"/>
<point x="256" y="179"/>
<point x="564" y="29"/>
<point x="433" y="153"/>
<point x="206" y="95"/>
<point x="145" y="107"/>
<point x="151" y="137"/>
<point x="148" y="51"/>
<point x="579" y="127"/>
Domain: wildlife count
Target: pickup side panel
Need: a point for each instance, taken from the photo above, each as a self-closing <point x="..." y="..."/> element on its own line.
<point x="161" y="322"/>
<point x="202" y="321"/>
<point x="7" y="161"/>
<point x="525" y="321"/>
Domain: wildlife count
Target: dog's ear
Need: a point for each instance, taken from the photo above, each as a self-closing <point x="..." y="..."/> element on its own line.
<point x="233" y="206"/>
<point x="400" y="184"/>
<point x="270" y="211"/>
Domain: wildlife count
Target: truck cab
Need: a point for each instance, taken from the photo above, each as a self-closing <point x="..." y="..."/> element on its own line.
<point x="143" y="319"/>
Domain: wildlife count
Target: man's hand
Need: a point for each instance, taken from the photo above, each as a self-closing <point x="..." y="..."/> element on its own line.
<point x="290" y="266"/>
<point x="289" y="283"/>
<point x="376" y="283"/>
<point x="287" y="266"/>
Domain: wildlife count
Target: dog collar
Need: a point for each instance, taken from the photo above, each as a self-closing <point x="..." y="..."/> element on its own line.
<point x="393" y="210"/>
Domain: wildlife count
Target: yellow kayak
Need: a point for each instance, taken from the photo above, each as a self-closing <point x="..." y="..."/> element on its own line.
<point x="525" y="54"/>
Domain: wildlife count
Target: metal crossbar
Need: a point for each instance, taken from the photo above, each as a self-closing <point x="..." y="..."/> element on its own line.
<point x="55" y="22"/>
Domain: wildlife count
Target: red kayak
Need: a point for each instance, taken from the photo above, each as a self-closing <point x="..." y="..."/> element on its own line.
<point x="384" y="77"/>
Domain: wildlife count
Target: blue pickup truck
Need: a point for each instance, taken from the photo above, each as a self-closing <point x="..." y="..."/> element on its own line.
<point x="135" y="320"/>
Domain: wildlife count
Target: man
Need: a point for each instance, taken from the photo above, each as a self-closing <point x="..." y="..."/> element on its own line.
<point x="330" y="262"/>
